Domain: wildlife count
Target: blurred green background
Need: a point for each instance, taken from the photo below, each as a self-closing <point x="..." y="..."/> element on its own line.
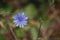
<point x="38" y="11"/>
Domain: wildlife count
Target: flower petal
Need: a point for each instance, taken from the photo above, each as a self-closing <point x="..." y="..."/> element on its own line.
<point x="26" y="17"/>
<point x="15" y="21"/>
<point x="18" y="15"/>
<point x="20" y="20"/>
<point x="17" y="24"/>
<point x="22" y="14"/>
<point x="14" y="17"/>
<point x="24" y="22"/>
<point x="22" y="25"/>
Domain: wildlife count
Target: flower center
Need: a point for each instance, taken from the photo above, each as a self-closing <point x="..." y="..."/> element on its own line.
<point x="20" y="18"/>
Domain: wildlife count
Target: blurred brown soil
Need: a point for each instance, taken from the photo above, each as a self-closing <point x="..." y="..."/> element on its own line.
<point x="54" y="26"/>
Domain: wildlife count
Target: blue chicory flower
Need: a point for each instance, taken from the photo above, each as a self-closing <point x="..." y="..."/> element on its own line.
<point x="20" y="20"/>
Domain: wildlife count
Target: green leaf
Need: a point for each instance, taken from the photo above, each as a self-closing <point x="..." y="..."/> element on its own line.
<point x="34" y="33"/>
<point x="45" y="24"/>
<point x="27" y="27"/>
<point x="44" y="7"/>
<point x="19" y="32"/>
<point x="30" y="11"/>
<point x="44" y="21"/>
<point x="6" y="10"/>
<point x="2" y="37"/>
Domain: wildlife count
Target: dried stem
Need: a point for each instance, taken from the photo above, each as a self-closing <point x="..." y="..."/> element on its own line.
<point x="13" y="34"/>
